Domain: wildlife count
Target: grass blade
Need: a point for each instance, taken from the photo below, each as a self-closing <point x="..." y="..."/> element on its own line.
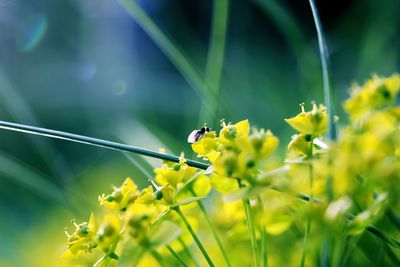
<point x="95" y="142"/>
<point x="173" y="53"/>
<point x="327" y="84"/>
<point x="215" y="58"/>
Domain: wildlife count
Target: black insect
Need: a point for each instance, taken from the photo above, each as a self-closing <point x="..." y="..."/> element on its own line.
<point x="196" y="135"/>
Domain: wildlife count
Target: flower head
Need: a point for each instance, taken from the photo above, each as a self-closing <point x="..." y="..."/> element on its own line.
<point x="314" y="122"/>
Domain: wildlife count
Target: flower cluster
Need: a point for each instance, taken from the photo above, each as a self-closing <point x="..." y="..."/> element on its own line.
<point x="247" y="196"/>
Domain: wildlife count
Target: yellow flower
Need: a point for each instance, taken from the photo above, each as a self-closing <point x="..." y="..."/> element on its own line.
<point x="108" y="233"/>
<point x="300" y="143"/>
<point x="207" y="147"/>
<point x="139" y="218"/>
<point x="174" y="173"/>
<point x="379" y="92"/>
<point x="121" y="196"/>
<point x="314" y="122"/>
<point x="222" y="183"/>
<point x="83" y="239"/>
<point x="264" y="143"/>
<point x="230" y="134"/>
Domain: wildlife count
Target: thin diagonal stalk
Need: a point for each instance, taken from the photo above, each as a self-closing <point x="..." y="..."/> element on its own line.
<point x="187" y="251"/>
<point x="95" y="142"/>
<point x="194" y="236"/>
<point x="311" y="202"/>
<point x="263" y="241"/>
<point x="252" y="230"/>
<point x="250" y="226"/>
<point x="215" y="57"/>
<point x="181" y="261"/>
<point x="325" y="71"/>
<point x="173" y="53"/>
<point x="213" y="230"/>
<point x="264" y="254"/>
<point x="157" y="256"/>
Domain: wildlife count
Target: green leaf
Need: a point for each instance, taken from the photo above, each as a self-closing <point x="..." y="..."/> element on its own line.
<point x="189" y="200"/>
<point x="131" y="255"/>
<point x="266" y="178"/>
<point x="163" y="234"/>
<point x="243" y="193"/>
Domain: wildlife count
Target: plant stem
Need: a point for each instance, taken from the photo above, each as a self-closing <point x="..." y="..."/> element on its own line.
<point x="264" y="251"/>
<point x="325" y="71"/>
<point x="185" y="248"/>
<point x="215" y="59"/>
<point x="264" y="254"/>
<point x="308" y="226"/>
<point x="171" y="51"/>
<point x="252" y="230"/>
<point x="251" y="227"/>
<point x="157" y="256"/>
<point x="194" y="236"/>
<point x="177" y="256"/>
<point x="95" y="142"/>
<point x="213" y="230"/>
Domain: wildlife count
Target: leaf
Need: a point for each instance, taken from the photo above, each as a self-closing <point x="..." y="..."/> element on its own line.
<point x="131" y="255"/>
<point x="163" y="234"/>
<point x="299" y="160"/>
<point x="265" y="177"/>
<point x="189" y="200"/>
<point x="161" y="217"/>
<point x="320" y="143"/>
<point x="243" y="193"/>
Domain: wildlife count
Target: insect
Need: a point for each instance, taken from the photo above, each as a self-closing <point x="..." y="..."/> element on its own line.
<point x="196" y="135"/>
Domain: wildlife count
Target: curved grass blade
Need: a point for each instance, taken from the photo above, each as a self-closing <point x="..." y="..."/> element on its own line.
<point x="327" y="83"/>
<point x="173" y="53"/>
<point x="215" y="58"/>
<point x="95" y="142"/>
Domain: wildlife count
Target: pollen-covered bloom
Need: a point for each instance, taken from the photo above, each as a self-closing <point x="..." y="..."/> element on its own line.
<point x="313" y="122"/>
<point x="121" y="196"/>
<point x="377" y="93"/>
<point x="207" y="146"/>
<point x="109" y="232"/>
<point x="83" y="239"/>
<point x="173" y="173"/>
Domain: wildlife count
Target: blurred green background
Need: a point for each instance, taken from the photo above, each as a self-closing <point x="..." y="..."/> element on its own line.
<point x="87" y="67"/>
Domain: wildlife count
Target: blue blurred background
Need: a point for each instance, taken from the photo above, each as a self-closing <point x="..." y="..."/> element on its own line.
<point x="87" y="67"/>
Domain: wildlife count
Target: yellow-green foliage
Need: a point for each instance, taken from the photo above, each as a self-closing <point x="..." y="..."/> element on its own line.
<point x="349" y="184"/>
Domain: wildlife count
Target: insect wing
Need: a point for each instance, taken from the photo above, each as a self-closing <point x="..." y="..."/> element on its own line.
<point x="192" y="138"/>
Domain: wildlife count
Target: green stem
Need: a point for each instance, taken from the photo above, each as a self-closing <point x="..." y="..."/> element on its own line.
<point x="185" y="248"/>
<point x="213" y="231"/>
<point x="264" y="251"/>
<point x="251" y="227"/>
<point x="181" y="261"/>
<point x="95" y="142"/>
<point x="171" y="51"/>
<point x="157" y="256"/>
<point x="325" y="71"/>
<point x="252" y="230"/>
<point x="311" y="202"/>
<point x="194" y="236"/>
<point x="215" y="58"/>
